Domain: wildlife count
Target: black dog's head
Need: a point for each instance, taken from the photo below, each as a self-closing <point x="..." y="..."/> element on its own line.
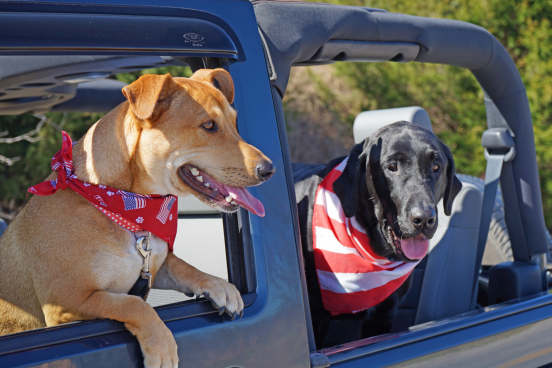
<point x="392" y="184"/>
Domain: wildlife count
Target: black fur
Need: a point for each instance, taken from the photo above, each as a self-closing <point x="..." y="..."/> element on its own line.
<point x="380" y="200"/>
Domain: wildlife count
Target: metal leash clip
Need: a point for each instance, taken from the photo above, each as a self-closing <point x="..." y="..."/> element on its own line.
<point x="145" y="253"/>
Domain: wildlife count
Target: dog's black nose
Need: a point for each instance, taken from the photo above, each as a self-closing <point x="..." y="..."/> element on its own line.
<point x="265" y="170"/>
<point x="422" y="217"/>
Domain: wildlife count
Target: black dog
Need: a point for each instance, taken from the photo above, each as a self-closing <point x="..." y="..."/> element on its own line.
<point x="391" y="184"/>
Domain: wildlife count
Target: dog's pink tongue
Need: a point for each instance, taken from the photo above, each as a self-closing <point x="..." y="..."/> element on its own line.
<point x="416" y="247"/>
<point x="246" y="200"/>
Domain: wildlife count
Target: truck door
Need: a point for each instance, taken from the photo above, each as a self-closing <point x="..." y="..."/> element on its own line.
<point x="67" y="44"/>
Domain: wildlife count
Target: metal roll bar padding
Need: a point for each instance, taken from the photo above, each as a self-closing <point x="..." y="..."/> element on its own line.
<point x="294" y="32"/>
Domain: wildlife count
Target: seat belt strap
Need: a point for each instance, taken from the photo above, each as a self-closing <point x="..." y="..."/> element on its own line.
<point x="499" y="148"/>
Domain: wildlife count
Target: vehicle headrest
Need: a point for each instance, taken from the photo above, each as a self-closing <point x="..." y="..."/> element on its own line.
<point x="368" y="122"/>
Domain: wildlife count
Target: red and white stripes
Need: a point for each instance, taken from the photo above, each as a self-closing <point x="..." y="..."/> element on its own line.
<point x="352" y="278"/>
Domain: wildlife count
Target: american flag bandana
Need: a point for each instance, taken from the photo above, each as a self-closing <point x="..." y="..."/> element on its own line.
<point x="135" y="212"/>
<point x="351" y="277"/>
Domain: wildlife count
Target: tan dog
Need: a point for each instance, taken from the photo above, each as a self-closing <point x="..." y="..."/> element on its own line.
<point x="62" y="260"/>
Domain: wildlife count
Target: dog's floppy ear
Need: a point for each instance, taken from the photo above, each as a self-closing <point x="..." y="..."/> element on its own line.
<point x="346" y="187"/>
<point x="219" y="78"/>
<point x="148" y="95"/>
<point x="453" y="185"/>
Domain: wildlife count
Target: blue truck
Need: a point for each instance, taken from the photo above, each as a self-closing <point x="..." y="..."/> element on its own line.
<point x="57" y="56"/>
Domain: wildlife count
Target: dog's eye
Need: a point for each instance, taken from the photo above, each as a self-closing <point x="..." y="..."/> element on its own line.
<point x="210" y="126"/>
<point x="435" y="168"/>
<point x="392" y="167"/>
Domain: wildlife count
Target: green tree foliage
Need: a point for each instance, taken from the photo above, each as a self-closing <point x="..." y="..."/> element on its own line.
<point x="34" y="165"/>
<point x="451" y="95"/>
<point x="35" y="157"/>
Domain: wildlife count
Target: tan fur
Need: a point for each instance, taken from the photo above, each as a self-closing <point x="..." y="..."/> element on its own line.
<point x="62" y="260"/>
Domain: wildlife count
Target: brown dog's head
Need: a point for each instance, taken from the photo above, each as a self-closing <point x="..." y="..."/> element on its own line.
<point x="188" y="141"/>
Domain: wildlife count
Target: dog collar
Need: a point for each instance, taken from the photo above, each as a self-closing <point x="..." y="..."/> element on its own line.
<point x="142" y="286"/>
<point x="135" y="212"/>
<point x="352" y="278"/>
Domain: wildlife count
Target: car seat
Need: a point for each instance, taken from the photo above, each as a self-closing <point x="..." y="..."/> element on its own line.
<point x="442" y="281"/>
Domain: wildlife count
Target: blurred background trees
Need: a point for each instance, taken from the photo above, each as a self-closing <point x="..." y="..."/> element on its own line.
<point x="322" y="102"/>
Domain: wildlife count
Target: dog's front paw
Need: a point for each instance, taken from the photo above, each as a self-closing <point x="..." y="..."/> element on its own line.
<point x="158" y="346"/>
<point x="223" y="296"/>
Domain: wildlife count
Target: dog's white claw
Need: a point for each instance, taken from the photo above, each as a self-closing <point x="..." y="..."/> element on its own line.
<point x="234" y="203"/>
<point x="207" y="185"/>
<point x="200" y="179"/>
<point x="194" y="171"/>
<point x="229" y="199"/>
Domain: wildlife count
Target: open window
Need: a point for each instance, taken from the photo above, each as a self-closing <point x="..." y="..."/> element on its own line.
<point x="442" y="287"/>
<point x="84" y="75"/>
<point x="442" y="282"/>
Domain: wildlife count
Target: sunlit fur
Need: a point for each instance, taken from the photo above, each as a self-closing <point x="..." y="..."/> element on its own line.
<point x="62" y="260"/>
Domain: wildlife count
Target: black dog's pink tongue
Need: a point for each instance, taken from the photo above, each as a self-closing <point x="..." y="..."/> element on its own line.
<point x="416" y="247"/>
<point x="246" y="200"/>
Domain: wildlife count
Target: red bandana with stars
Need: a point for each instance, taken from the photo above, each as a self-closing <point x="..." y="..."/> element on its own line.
<point x="135" y="212"/>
